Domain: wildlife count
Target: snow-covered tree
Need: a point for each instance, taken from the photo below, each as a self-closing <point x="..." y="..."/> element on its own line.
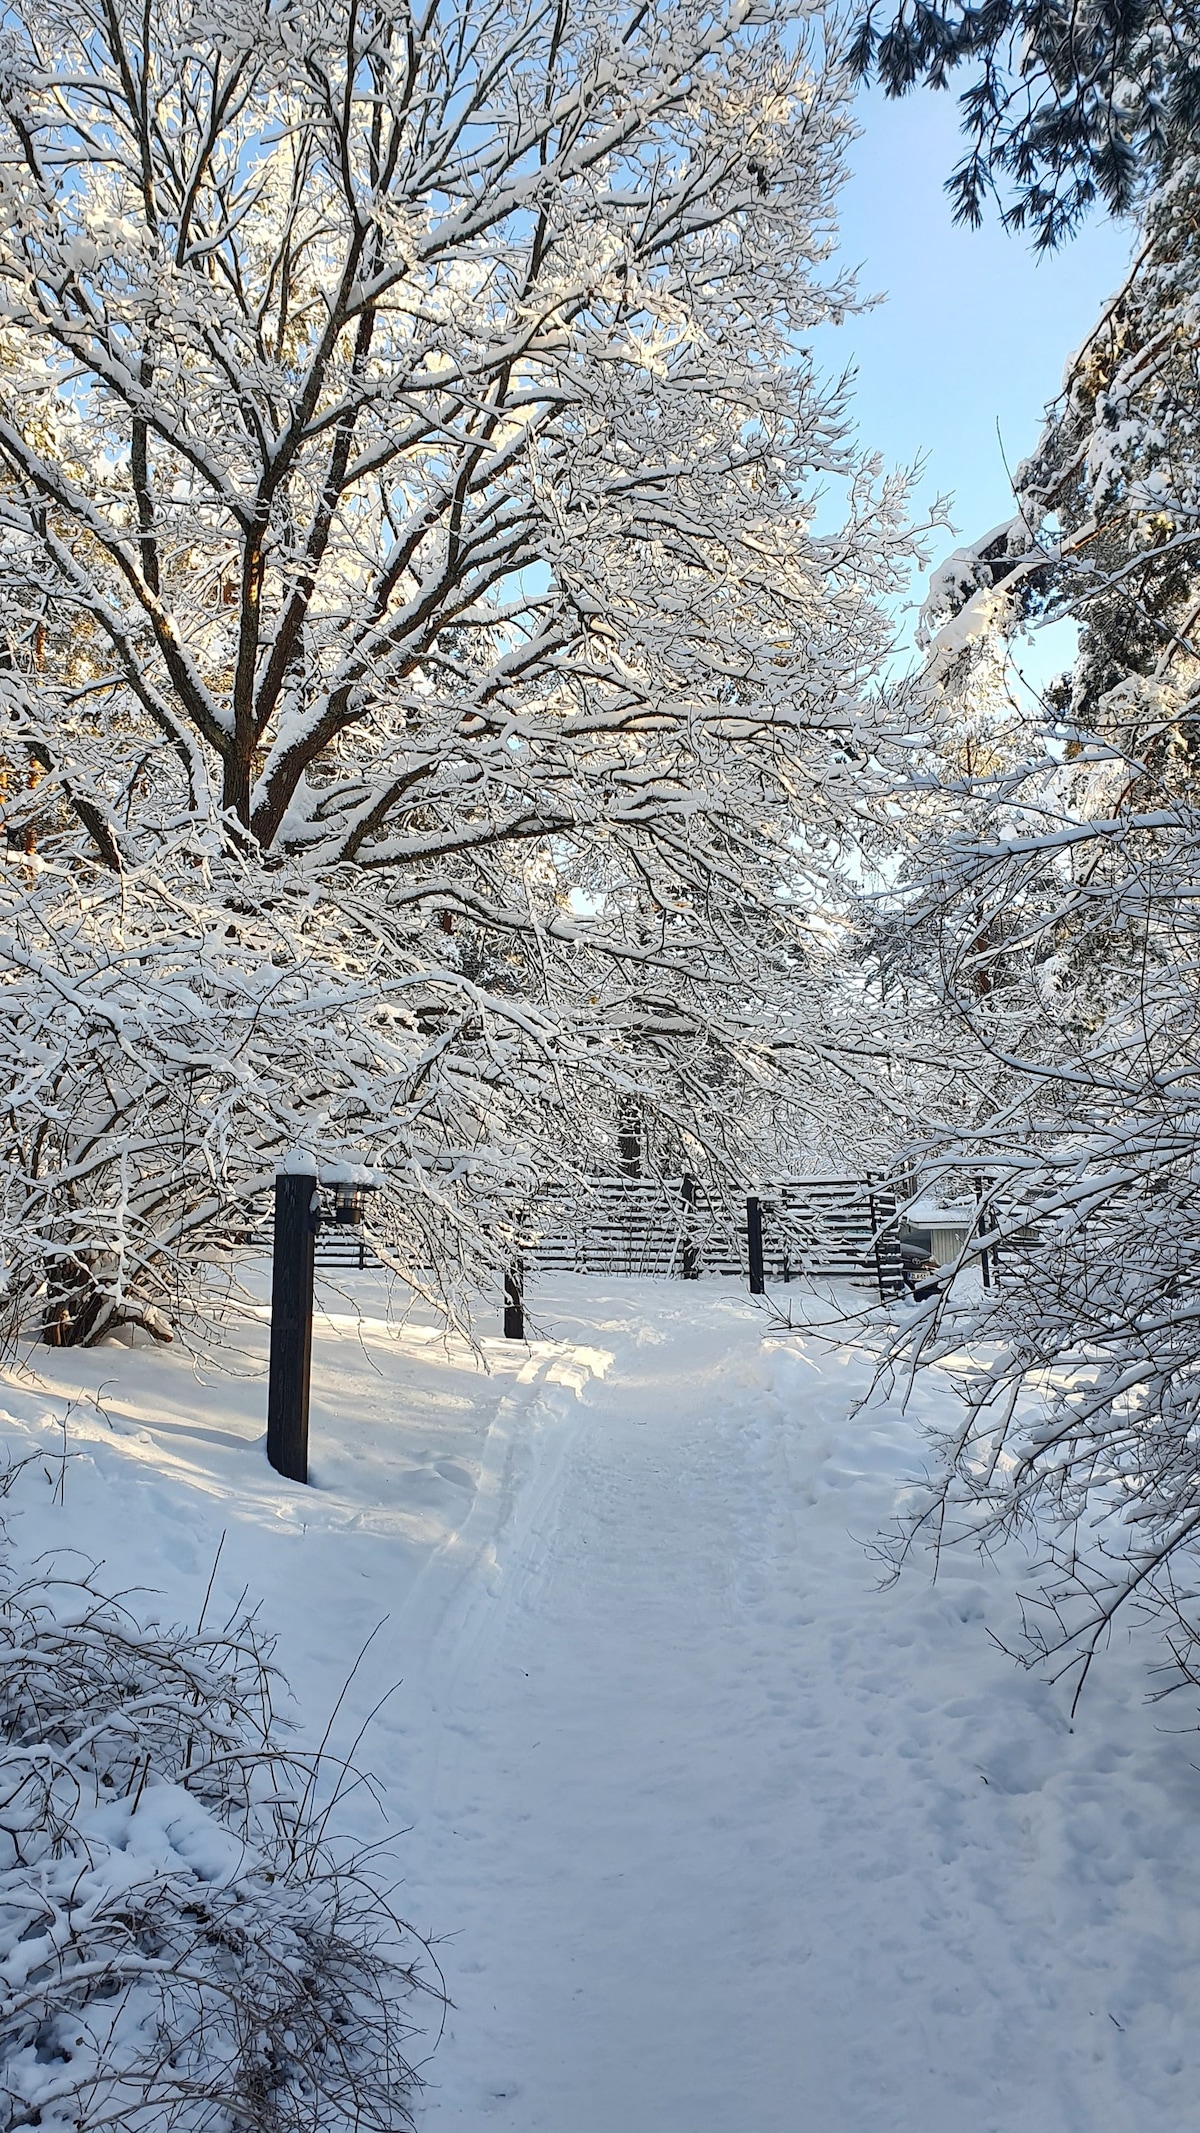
<point x="1058" y="921"/>
<point x="419" y="653"/>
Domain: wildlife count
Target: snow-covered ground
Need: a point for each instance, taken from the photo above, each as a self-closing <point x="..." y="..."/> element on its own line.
<point x="714" y="1834"/>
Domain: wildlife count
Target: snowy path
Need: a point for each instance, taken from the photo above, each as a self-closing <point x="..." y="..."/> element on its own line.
<point x="738" y="1842"/>
<point x="717" y="1836"/>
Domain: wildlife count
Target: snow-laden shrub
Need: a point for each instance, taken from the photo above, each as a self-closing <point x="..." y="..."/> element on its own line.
<point x="182" y="1943"/>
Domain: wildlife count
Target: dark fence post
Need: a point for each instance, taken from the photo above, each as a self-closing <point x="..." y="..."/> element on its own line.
<point x="514" y="1301"/>
<point x="754" y="1243"/>
<point x="889" y="1263"/>
<point x="629" y="1139"/>
<point x="689" y="1261"/>
<point x="291" y="1326"/>
<point x="985" y="1256"/>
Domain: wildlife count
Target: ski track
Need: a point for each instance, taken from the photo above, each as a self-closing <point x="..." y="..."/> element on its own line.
<point x="714" y="1834"/>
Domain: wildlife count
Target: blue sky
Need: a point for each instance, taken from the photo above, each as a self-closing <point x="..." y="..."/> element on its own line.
<point x="958" y="364"/>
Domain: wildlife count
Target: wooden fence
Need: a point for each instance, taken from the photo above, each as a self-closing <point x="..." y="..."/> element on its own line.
<point x="827" y="1228"/>
<point x="833" y="1229"/>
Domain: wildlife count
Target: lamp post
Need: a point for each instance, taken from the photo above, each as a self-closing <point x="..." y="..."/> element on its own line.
<point x="298" y="1216"/>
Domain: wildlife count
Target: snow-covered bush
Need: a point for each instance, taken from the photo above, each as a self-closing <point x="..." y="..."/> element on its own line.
<point x="183" y="1945"/>
<point x="1051" y="918"/>
<point x="1062" y="958"/>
